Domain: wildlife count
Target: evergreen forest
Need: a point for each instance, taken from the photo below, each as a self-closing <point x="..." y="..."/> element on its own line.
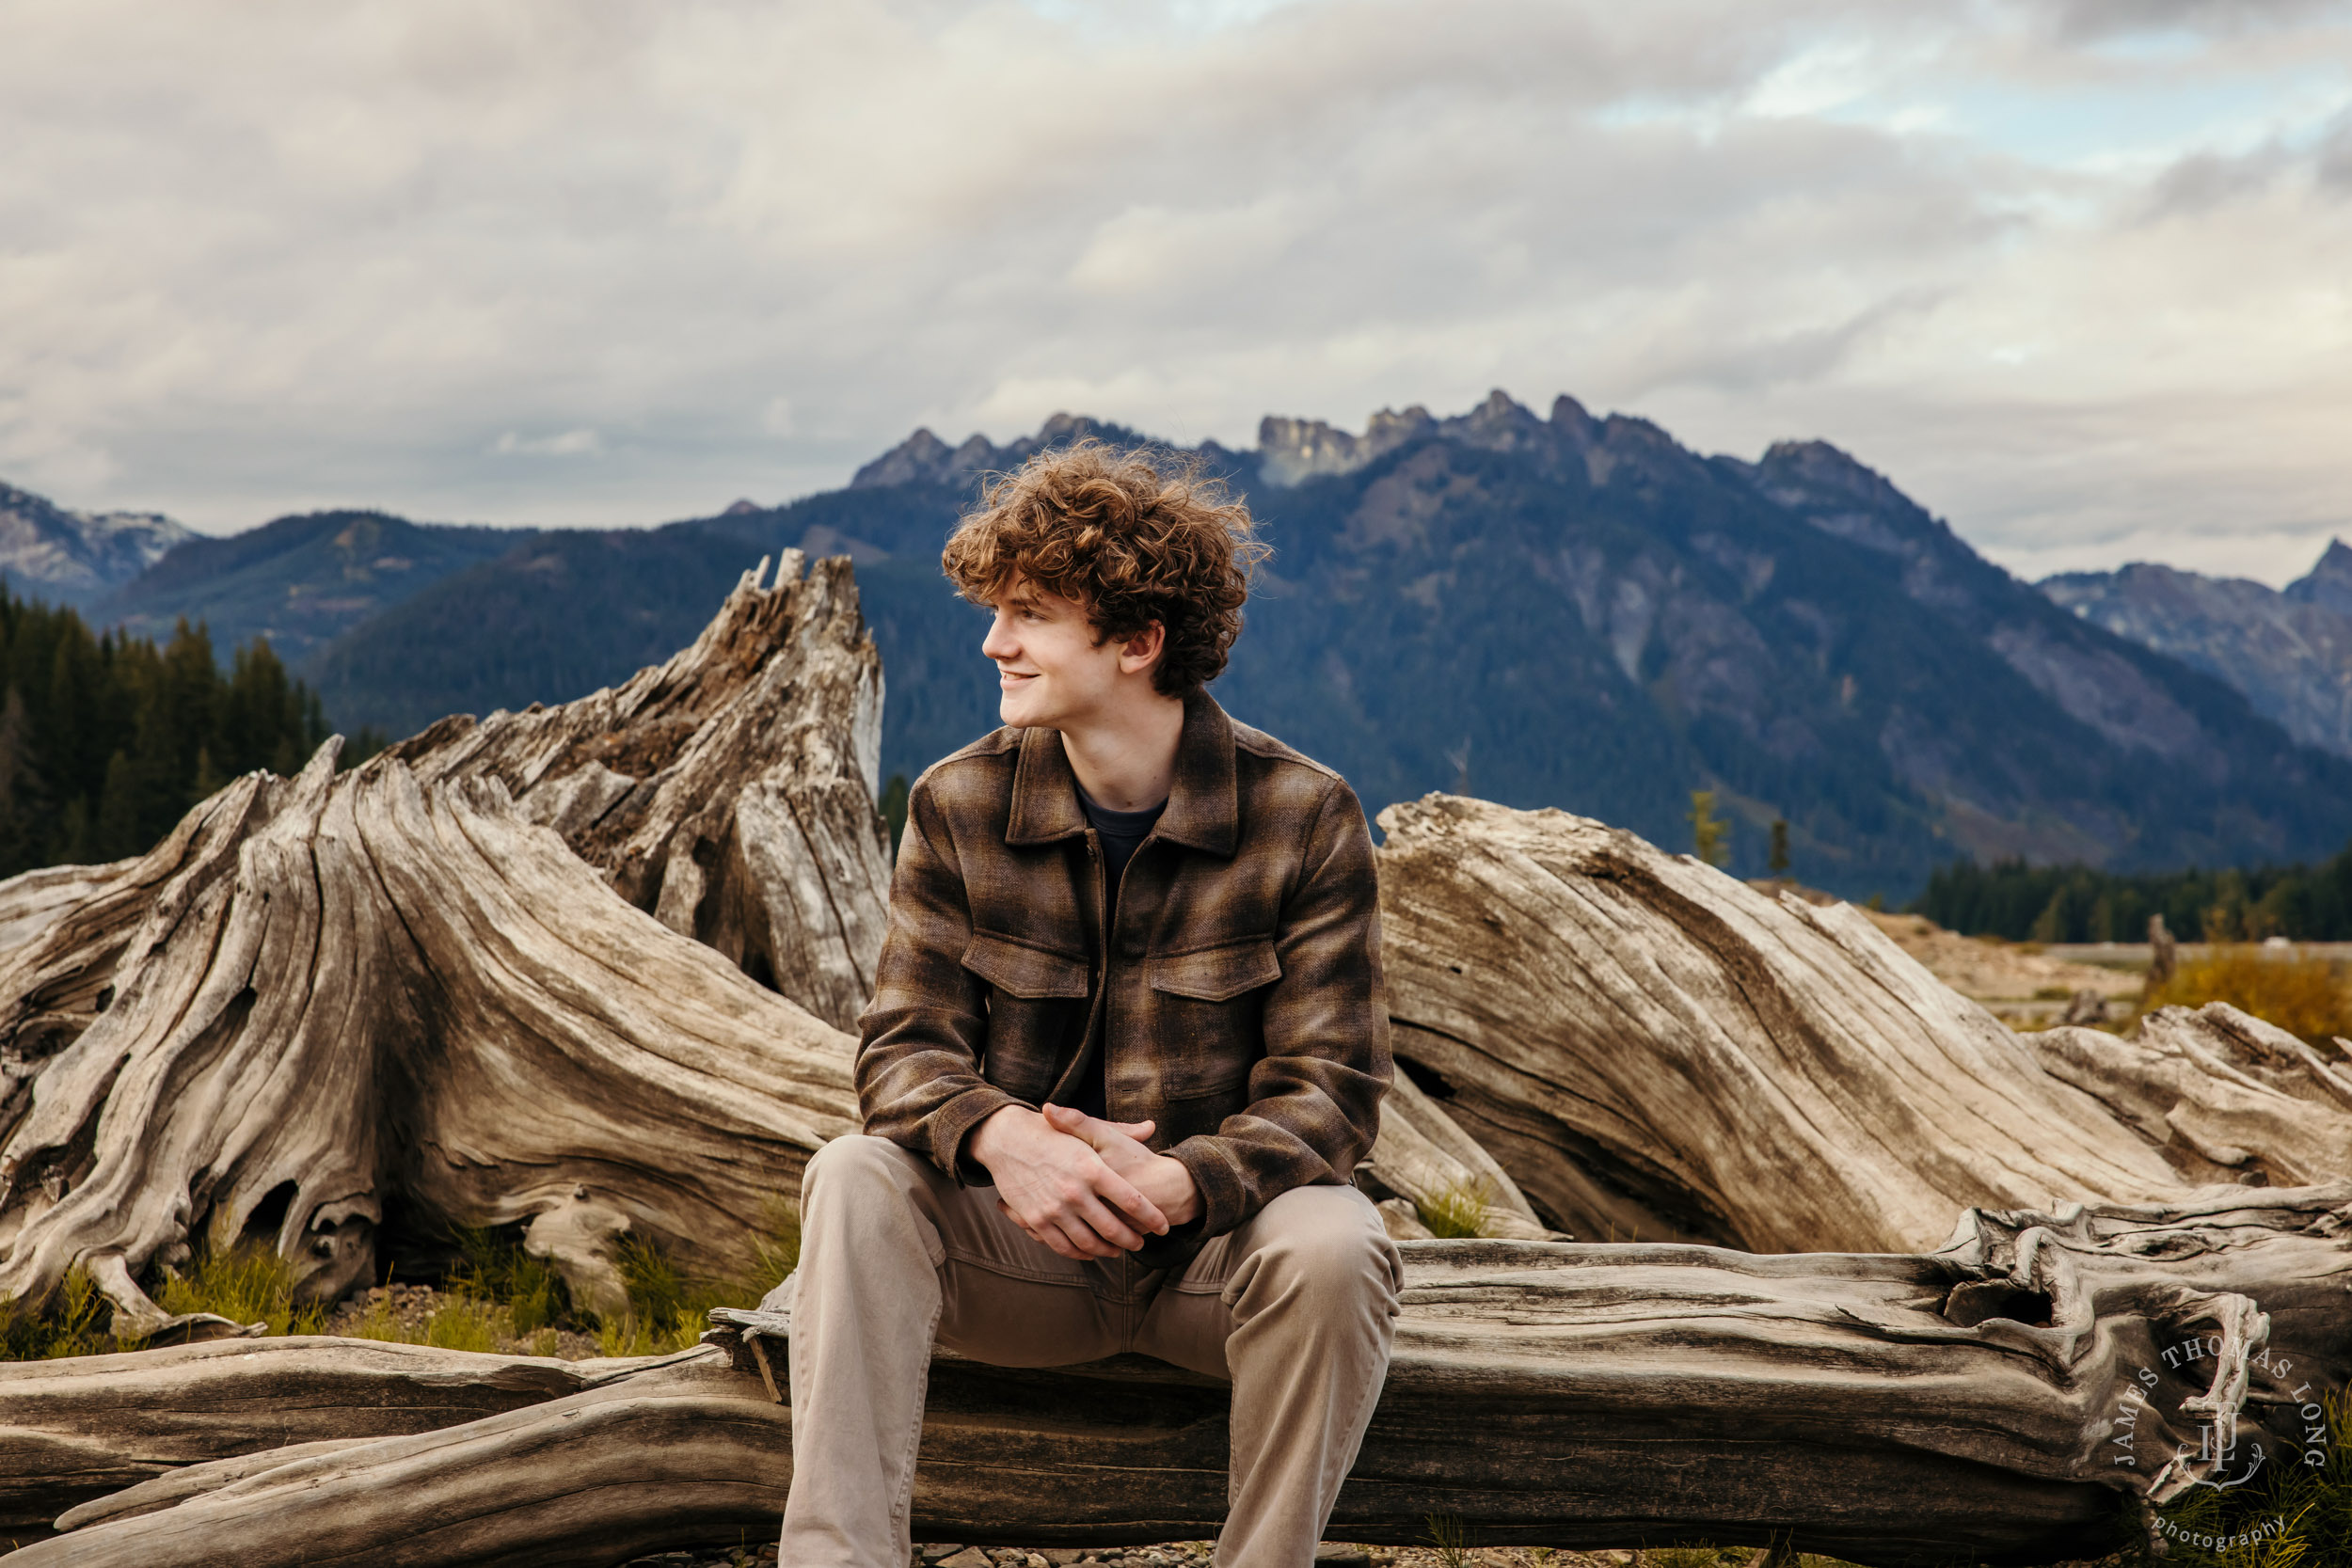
<point x="106" y="740"/>
<point x="2077" y="903"/>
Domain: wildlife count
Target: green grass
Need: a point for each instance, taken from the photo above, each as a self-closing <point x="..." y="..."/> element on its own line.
<point x="76" y="1324"/>
<point x="245" y="1284"/>
<point x="249" y="1283"/>
<point x="495" y="1293"/>
<point x="1451" y="1537"/>
<point x="2312" y="1503"/>
<point x="669" y="1308"/>
<point x="530" y="1288"/>
<point x="1457" y="1210"/>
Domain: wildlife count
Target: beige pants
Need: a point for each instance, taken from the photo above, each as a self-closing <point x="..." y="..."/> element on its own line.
<point x="1297" y="1307"/>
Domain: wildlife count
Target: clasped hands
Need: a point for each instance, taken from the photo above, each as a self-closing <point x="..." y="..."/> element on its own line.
<point x="1083" y="1187"/>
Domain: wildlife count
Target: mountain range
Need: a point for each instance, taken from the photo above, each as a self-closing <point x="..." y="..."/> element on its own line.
<point x="2289" y="651"/>
<point x="1543" y="609"/>
<point x="75" y="557"/>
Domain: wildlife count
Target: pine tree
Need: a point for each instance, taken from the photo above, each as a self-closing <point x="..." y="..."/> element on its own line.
<point x="1709" y="833"/>
<point x="1777" y="864"/>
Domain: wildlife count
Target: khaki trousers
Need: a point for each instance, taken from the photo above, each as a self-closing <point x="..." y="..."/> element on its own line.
<point x="1297" y="1307"/>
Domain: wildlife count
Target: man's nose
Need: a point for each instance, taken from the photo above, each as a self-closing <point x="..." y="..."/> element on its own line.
<point x="1000" y="642"/>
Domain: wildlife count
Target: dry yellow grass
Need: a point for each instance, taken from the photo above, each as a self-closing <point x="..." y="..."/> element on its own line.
<point x="2302" y="995"/>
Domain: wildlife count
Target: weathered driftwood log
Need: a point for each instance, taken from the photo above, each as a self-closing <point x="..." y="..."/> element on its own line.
<point x="85" y="1426"/>
<point x="1974" y="1405"/>
<point x="319" y="993"/>
<point x="336" y="989"/>
<point x="1656" y="1049"/>
<point x="1423" y="1155"/>
<point x="729" y="792"/>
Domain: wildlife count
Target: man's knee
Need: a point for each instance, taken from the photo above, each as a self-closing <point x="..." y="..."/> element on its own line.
<point x="1327" y="1244"/>
<point x="856" y="1168"/>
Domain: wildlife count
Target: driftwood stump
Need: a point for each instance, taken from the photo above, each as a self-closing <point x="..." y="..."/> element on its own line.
<point x="1654" y="1049"/>
<point x="322" y="993"/>
<point x="2004" y="1399"/>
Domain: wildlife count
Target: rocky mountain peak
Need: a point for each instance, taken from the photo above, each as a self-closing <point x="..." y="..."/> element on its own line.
<point x="1290" y="451"/>
<point x="923" y="458"/>
<point x="74" y="557"/>
<point x="2329" y="583"/>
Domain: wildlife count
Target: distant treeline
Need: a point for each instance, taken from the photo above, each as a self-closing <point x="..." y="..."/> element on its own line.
<point x="107" y="741"/>
<point x="2074" y="903"/>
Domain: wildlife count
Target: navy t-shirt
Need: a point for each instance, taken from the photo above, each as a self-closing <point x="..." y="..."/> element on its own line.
<point x="1120" y="832"/>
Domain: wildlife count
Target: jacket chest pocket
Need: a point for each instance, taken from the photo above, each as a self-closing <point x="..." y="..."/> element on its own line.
<point x="1037" y="1011"/>
<point x="1206" y="1023"/>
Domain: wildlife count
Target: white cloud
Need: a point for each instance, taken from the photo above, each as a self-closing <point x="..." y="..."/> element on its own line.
<point x="2072" y="275"/>
<point x="570" y="443"/>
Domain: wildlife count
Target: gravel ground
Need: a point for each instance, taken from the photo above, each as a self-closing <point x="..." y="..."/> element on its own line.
<point x="1195" y="1553"/>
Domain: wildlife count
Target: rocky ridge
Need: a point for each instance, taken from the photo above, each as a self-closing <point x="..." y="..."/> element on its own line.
<point x="49" y="552"/>
<point x="2289" y="651"/>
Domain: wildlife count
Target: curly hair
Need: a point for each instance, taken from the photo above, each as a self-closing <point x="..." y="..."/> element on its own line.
<point x="1135" y="536"/>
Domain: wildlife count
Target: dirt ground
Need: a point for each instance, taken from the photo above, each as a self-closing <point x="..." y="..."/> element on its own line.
<point x="2017" y="982"/>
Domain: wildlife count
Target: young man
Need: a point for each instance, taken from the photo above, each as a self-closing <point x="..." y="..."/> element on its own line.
<point x="1126" y="1046"/>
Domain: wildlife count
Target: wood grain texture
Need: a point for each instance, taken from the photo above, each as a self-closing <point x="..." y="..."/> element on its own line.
<point x="325" y="993"/>
<point x="1567" y="1395"/>
<point x="730" y="791"/>
<point x="84" y="1428"/>
<point x="1653" y="1048"/>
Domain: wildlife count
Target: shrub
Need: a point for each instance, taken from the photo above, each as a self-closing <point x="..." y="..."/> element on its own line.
<point x="669" y="1308"/>
<point x="2304" y="996"/>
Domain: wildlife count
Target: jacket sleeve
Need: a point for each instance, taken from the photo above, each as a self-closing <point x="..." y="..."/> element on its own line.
<point x="920" y="1039"/>
<point x="1315" y="1096"/>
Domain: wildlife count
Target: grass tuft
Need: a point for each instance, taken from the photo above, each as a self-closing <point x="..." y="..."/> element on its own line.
<point x="2302" y="995"/>
<point x="496" y="1270"/>
<point x="1450" y="1537"/>
<point x="76" y="1324"/>
<point x="2299" y="1515"/>
<point x="247" y="1283"/>
<point x="669" y="1308"/>
<point x="1457" y="1210"/>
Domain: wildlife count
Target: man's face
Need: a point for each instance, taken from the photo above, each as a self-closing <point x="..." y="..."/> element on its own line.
<point x="1050" y="669"/>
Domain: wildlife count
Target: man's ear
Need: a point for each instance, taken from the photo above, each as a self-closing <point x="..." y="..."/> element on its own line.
<point x="1137" y="653"/>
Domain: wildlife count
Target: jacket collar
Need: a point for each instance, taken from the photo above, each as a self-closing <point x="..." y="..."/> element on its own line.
<point x="1202" y="797"/>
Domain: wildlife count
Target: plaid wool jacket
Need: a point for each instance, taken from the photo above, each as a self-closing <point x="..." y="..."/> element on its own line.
<point x="1238" y="996"/>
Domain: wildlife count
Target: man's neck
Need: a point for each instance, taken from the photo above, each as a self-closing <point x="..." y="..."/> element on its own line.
<point x="1127" y="761"/>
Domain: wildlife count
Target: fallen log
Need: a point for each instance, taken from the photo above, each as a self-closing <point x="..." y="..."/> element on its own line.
<point x="2003" y="1399"/>
<point x="81" y="1428"/>
<point x="1653" y="1048"/>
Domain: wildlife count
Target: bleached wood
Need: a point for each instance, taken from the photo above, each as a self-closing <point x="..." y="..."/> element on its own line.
<point x="729" y="791"/>
<point x="1653" y="1048"/>
<point x="1890" y="1409"/>
<point x="322" y="992"/>
<point x="78" y="1429"/>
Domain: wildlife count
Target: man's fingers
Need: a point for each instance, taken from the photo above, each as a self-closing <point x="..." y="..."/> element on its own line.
<point x="1136" y="1129"/>
<point x="1109" y="1224"/>
<point x="1083" y="1238"/>
<point x="1124" y="1196"/>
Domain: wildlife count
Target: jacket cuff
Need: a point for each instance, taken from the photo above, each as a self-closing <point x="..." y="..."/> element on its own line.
<point x="952" y="1123"/>
<point x="1223" y="1197"/>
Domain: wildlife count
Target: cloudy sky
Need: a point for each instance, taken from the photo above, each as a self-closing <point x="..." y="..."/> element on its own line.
<point x="2077" y="275"/>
